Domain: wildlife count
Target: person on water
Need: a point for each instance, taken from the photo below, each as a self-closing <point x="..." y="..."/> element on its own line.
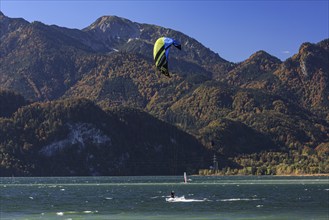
<point x="172" y="194"/>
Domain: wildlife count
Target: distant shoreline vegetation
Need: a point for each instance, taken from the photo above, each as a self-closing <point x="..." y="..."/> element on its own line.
<point x="293" y="163"/>
<point x="314" y="175"/>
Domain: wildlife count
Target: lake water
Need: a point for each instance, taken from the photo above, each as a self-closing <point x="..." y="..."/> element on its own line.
<point x="232" y="197"/>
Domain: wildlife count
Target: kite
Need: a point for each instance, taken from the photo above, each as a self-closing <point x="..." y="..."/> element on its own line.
<point x="161" y="53"/>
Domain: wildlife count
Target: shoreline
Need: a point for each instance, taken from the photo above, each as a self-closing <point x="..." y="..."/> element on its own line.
<point x="281" y="175"/>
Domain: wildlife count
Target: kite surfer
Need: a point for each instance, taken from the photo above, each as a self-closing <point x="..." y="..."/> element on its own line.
<point x="172" y="194"/>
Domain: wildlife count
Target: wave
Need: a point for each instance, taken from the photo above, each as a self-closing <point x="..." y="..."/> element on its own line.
<point x="238" y="199"/>
<point x="182" y="199"/>
<point x="76" y="212"/>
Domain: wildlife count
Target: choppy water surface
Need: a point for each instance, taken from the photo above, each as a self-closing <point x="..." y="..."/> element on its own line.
<point x="145" y="198"/>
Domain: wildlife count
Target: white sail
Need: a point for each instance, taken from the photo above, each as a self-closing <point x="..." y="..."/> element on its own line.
<point x="185" y="177"/>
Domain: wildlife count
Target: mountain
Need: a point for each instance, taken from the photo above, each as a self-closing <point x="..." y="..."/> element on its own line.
<point x="306" y="75"/>
<point x="44" y="61"/>
<point x="76" y="137"/>
<point x="10" y="102"/>
<point x="127" y="36"/>
<point x="38" y="61"/>
<point x="256" y="72"/>
<point x="259" y="105"/>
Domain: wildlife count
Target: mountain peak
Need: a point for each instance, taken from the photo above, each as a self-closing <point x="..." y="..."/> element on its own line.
<point x="305" y="47"/>
<point x="262" y="55"/>
<point x="110" y="19"/>
<point x="114" y="27"/>
<point x="254" y="71"/>
<point x="105" y="23"/>
<point x="308" y="50"/>
<point x="324" y="44"/>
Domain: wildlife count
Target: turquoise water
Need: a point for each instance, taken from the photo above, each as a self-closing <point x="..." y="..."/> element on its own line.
<point x="145" y="198"/>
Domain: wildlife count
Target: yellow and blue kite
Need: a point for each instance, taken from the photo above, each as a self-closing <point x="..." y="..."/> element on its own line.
<point x="161" y="53"/>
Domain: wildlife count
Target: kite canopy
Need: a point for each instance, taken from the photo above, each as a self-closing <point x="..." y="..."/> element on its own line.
<point x="161" y="53"/>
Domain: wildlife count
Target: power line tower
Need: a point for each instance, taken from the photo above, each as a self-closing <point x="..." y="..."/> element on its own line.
<point x="215" y="163"/>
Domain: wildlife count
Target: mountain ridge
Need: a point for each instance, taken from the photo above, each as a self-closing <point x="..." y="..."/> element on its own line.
<point x="261" y="104"/>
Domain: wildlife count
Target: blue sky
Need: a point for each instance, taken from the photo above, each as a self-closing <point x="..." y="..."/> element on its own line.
<point x="233" y="29"/>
